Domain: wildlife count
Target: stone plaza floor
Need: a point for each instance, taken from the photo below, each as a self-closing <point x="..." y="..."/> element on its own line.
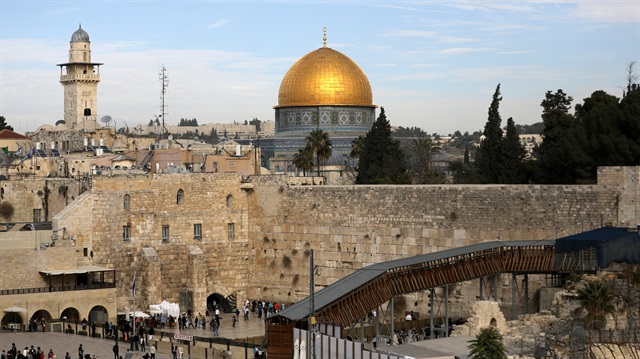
<point x="62" y="343"/>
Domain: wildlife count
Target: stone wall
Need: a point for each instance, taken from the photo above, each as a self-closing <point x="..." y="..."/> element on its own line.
<point x="28" y="194"/>
<point x="351" y="227"/>
<point x="181" y="263"/>
<point x="275" y="226"/>
<point x="25" y="265"/>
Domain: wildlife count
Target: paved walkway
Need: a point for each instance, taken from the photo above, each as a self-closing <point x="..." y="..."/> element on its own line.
<point x="62" y="343"/>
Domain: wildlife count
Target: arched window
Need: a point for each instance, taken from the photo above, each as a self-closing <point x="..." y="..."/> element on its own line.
<point x="229" y="201"/>
<point x="127" y="201"/>
<point x="180" y="197"/>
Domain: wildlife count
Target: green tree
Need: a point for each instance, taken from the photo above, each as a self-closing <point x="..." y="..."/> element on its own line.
<point x="4" y="125"/>
<point x="597" y="299"/>
<point x="513" y="154"/>
<point x="420" y="155"/>
<point x="356" y="146"/>
<point x="487" y="345"/>
<point x="559" y="150"/>
<point x="490" y="160"/>
<point x="303" y="159"/>
<point x="321" y="145"/>
<point x="382" y="159"/>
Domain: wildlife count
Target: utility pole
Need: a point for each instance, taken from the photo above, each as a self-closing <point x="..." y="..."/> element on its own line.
<point x="312" y="319"/>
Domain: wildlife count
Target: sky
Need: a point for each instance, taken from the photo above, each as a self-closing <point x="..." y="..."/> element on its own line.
<point x="431" y="64"/>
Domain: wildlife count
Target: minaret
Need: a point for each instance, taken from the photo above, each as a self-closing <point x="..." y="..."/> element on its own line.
<point x="80" y="78"/>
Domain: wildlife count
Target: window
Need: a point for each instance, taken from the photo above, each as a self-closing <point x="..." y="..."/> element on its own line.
<point x="230" y="230"/>
<point x="197" y="231"/>
<point x="229" y="201"/>
<point x="127" y="201"/>
<point x="37" y="215"/>
<point x="180" y="197"/>
<point x="126" y="233"/>
<point x="165" y="234"/>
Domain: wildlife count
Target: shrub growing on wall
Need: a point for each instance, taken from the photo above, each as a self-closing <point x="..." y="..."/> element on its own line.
<point x="6" y="210"/>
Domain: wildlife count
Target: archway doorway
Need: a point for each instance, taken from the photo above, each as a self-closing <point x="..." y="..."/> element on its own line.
<point x="226" y="305"/>
<point x="493" y="322"/>
<point x="40" y="321"/>
<point x="12" y="321"/>
<point x="70" y="315"/>
<point x="98" y="314"/>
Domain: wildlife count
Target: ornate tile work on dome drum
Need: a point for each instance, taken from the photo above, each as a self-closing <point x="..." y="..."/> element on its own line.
<point x="344" y="118"/>
<point x="359" y="118"/>
<point x="306" y="118"/>
<point x="324" y="118"/>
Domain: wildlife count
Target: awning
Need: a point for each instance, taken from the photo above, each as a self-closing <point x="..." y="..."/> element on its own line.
<point x="78" y="270"/>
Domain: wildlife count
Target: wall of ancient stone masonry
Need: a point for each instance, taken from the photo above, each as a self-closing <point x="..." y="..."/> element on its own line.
<point x="351" y="227"/>
<point x="213" y="264"/>
<point x="276" y="225"/>
<point x="21" y="268"/>
<point x="28" y="194"/>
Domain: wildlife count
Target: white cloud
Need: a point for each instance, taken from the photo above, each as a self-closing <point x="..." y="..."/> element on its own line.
<point x="384" y="65"/>
<point x="609" y="11"/>
<point x="218" y="24"/>
<point x="409" y="33"/>
<point x="462" y="50"/>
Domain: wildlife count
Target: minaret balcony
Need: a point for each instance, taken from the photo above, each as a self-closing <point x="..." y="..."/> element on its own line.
<point x="79" y="77"/>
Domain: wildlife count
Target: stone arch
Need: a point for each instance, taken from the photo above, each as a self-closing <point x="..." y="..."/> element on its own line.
<point x="98" y="314"/>
<point x="36" y="320"/>
<point x="71" y="314"/>
<point x="225" y="304"/>
<point x="229" y="201"/>
<point x="493" y="323"/>
<point x="11" y="318"/>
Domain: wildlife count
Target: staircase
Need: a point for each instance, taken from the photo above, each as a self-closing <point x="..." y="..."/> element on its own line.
<point x="145" y="161"/>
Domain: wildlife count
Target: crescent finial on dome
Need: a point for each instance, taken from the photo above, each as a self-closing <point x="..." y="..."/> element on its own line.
<point x="324" y="38"/>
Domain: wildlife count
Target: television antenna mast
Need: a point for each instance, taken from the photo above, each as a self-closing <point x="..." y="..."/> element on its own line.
<point x="164" y="80"/>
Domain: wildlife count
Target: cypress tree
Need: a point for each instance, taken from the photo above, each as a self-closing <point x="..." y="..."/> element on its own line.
<point x="382" y="159"/>
<point x="490" y="159"/>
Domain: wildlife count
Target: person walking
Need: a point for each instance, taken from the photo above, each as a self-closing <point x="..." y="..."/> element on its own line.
<point x="152" y="350"/>
<point x="80" y="352"/>
<point x="116" y="351"/>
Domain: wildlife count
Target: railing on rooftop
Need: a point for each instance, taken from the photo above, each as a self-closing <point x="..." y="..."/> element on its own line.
<point x="62" y="288"/>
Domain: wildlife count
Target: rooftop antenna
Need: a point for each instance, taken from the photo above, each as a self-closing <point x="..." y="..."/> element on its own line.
<point x="164" y="79"/>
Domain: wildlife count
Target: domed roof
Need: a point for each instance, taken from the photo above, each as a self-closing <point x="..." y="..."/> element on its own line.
<point x="80" y="35"/>
<point x="325" y="77"/>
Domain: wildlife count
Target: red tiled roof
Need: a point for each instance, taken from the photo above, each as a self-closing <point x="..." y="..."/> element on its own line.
<point x="8" y="134"/>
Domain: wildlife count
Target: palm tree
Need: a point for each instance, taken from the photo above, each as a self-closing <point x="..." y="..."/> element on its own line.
<point x="304" y="159"/>
<point x="597" y="299"/>
<point x="487" y="345"/>
<point x="422" y="150"/>
<point x="356" y="146"/>
<point x="320" y="143"/>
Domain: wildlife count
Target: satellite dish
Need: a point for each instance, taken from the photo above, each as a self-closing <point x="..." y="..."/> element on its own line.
<point x="105" y="119"/>
<point x="170" y="137"/>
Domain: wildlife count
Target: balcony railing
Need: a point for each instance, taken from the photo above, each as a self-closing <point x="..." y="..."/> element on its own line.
<point x="62" y="288"/>
<point x="86" y="77"/>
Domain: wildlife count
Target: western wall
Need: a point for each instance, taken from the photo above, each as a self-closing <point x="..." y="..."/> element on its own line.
<point x="275" y="226"/>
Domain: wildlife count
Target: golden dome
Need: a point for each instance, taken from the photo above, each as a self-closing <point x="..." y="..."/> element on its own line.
<point x="325" y="77"/>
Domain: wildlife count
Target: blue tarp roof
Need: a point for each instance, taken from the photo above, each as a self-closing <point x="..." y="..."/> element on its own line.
<point x="613" y="245"/>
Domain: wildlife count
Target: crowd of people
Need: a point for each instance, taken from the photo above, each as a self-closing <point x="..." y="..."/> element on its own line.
<point x="29" y="353"/>
<point x="143" y="334"/>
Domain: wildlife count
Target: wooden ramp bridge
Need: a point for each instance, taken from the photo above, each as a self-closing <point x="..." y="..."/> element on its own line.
<point x="349" y="300"/>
